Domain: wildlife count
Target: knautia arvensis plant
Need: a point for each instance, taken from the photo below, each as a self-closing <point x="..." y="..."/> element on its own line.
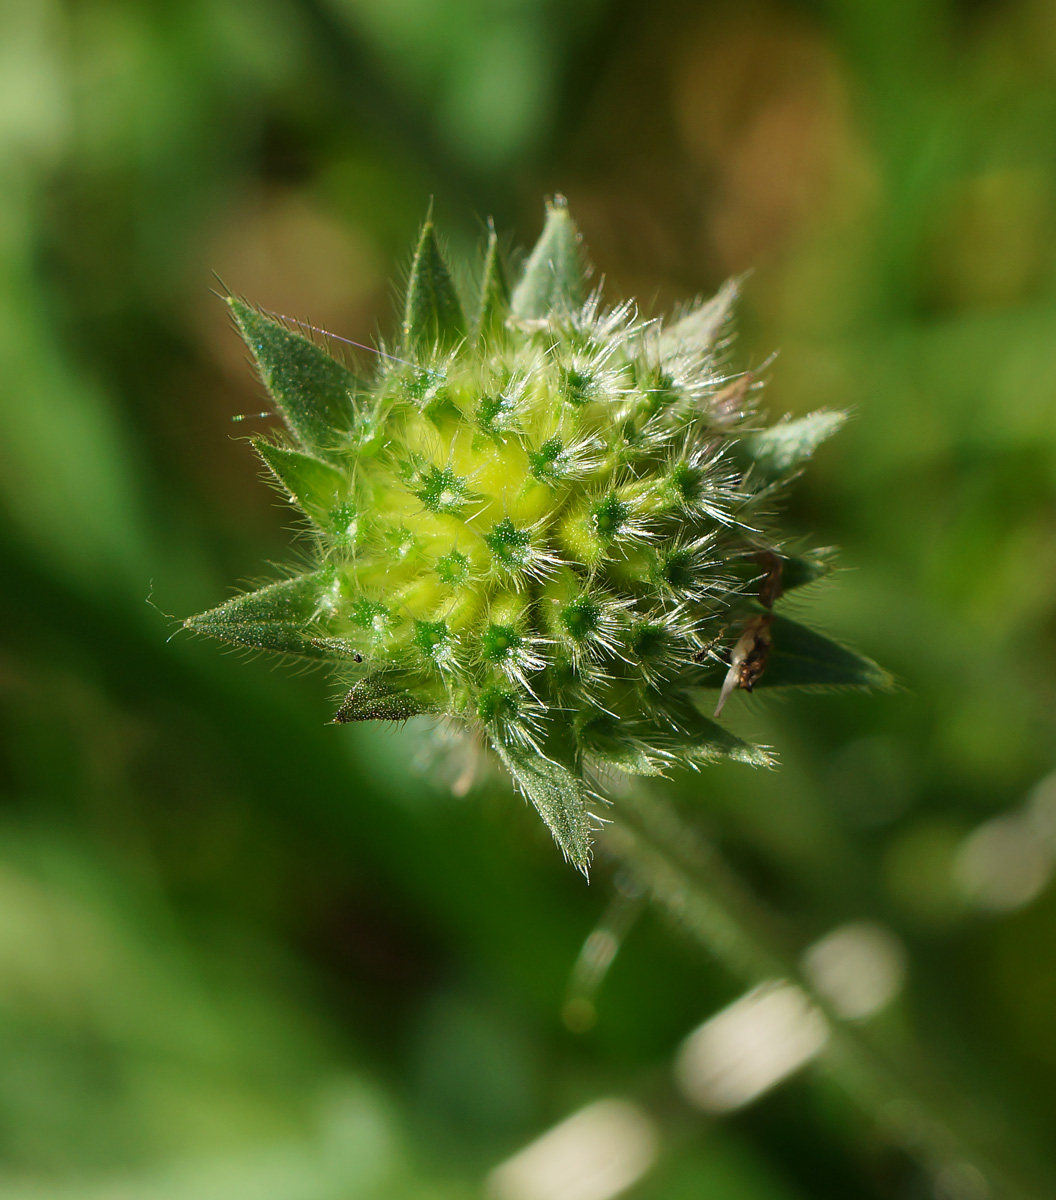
<point x="551" y="521"/>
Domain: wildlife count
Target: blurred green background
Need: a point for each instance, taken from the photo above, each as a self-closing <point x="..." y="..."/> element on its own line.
<point x="245" y="954"/>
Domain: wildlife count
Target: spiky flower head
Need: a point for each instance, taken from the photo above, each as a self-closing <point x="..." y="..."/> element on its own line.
<point x="552" y="522"/>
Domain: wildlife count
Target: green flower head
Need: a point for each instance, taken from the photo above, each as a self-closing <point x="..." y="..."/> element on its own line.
<point x="551" y="521"/>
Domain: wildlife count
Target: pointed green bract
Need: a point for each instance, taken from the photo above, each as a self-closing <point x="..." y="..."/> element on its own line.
<point x="624" y="756"/>
<point x="698" y="739"/>
<point x="559" y="798"/>
<point x="380" y="698"/>
<point x="494" y="291"/>
<point x="778" y="573"/>
<point x="313" y="392"/>
<point x="319" y="490"/>
<point x="801" y="657"/>
<point x="554" y="279"/>
<point x="699" y="329"/>
<point x="432" y="313"/>
<point x="555" y="529"/>
<point x="282" y="617"/>
<point x="611" y="744"/>
<point x="800" y="569"/>
<point x="785" y="447"/>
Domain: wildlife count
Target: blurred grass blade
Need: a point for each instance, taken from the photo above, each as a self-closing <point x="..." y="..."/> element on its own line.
<point x="558" y="796"/>
<point x="554" y="279"/>
<point x="433" y="313"/>
<point x="312" y="391"/>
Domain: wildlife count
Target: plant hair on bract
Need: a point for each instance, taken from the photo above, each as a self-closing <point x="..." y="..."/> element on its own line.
<point x="547" y="520"/>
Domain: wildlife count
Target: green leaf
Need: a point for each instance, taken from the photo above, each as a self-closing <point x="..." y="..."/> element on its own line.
<point x="784" y="447"/>
<point x="279" y="617"/>
<point x="699" y="739"/>
<point x="315" y="487"/>
<point x="697" y="330"/>
<point x="554" y="279"/>
<point x="626" y="757"/>
<point x="611" y="743"/>
<point x="800" y="569"/>
<point x="380" y="698"/>
<point x="312" y="391"/>
<point x="432" y="313"/>
<point x="494" y="291"/>
<point x="559" y="798"/>
<point x="801" y="657"/>
<point x="797" y="570"/>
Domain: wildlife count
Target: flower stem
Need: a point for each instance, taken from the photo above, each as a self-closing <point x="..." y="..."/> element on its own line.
<point x="688" y="879"/>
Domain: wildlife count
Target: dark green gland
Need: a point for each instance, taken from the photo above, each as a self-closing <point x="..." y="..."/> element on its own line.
<point x="426" y="386"/>
<point x="499" y="642"/>
<point x="581" y="618"/>
<point x="659" y="393"/>
<point x="649" y="640"/>
<point x="609" y="516"/>
<point x="453" y="568"/>
<point x="550" y="462"/>
<point x="686" y="483"/>
<point x="597" y="729"/>
<point x="497" y="704"/>
<point x="496" y="415"/>
<point x="578" y="387"/>
<point x="679" y="569"/>
<point x="442" y="491"/>
<point x="400" y="542"/>
<point x="511" y="546"/>
<point x="342" y="521"/>
<point x="434" y="641"/>
<point x="367" y="614"/>
<point x="565" y="673"/>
